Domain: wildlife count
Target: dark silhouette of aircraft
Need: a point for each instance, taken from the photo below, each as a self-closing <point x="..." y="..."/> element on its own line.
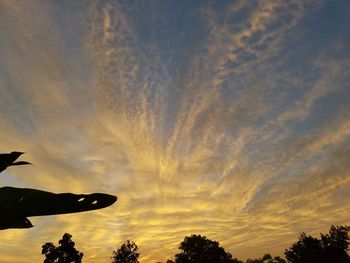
<point x="16" y="204"/>
<point x="8" y="159"/>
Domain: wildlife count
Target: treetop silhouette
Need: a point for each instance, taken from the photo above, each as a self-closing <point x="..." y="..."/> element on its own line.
<point x="199" y="249"/>
<point x="64" y="253"/>
<point x="127" y="253"/>
<point x="332" y="247"/>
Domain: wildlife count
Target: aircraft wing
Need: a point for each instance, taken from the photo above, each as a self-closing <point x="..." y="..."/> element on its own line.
<point x="20" y="222"/>
<point x="18" y="203"/>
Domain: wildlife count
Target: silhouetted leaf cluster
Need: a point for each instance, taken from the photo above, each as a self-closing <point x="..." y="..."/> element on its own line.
<point x="198" y="249"/>
<point x="267" y="258"/>
<point x="127" y="253"/>
<point x="332" y="247"/>
<point x="64" y="253"/>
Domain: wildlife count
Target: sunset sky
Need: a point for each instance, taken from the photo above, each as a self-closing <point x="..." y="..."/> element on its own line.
<point x="229" y="119"/>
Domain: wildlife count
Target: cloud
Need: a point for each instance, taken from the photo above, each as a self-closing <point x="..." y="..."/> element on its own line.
<point x="233" y="140"/>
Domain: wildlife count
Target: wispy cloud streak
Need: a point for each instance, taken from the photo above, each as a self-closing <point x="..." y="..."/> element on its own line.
<point x="230" y="123"/>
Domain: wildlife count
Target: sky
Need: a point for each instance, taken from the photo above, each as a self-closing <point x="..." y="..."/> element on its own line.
<point x="229" y="119"/>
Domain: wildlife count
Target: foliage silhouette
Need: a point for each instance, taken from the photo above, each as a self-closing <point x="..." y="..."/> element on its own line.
<point x="199" y="249"/>
<point x="64" y="253"/>
<point x="267" y="258"/>
<point x="127" y="253"/>
<point x="331" y="248"/>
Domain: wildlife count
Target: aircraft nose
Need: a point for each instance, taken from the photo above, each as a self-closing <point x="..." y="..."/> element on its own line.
<point x="111" y="199"/>
<point x="101" y="200"/>
<point x="17" y="153"/>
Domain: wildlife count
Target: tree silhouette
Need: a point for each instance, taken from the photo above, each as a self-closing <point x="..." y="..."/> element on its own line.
<point x="198" y="249"/>
<point x="277" y="259"/>
<point x="127" y="253"/>
<point x="267" y="258"/>
<point x="64" y="253"/>
<point x="330" y="248"/>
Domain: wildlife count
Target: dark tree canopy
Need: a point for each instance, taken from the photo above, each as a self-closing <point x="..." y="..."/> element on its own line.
<point x="199" y="249"/>
<point x="64" y="253"/>
<point x="267" y="258"/>
<point x="127" y="253"/>
<point x="332" y="247"/>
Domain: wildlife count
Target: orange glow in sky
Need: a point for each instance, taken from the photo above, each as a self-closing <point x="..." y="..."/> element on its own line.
<point x="228" y="119"/>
